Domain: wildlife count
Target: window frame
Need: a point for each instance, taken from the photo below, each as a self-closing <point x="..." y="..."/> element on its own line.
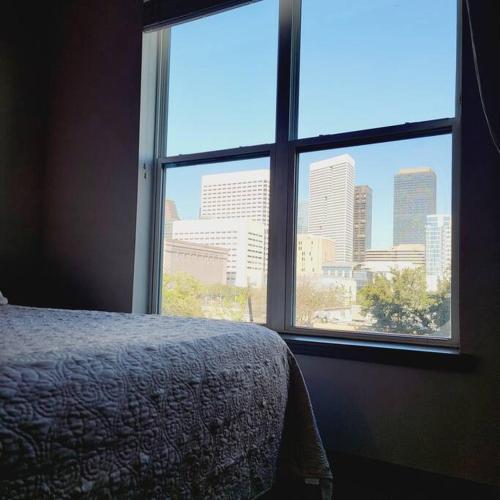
<point x="179" y="161"/>
<point x="283" y="155"/>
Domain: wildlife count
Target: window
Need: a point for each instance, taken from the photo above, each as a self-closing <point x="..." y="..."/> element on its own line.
<point x="221" y="84"/>
<point x="376" y="224"/>
<point x="367" y="64"/>
<point x="307" y="168"/>
<point x="215" y="256"/>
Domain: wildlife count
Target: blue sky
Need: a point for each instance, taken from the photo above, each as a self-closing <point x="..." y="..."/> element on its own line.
<point x="364" y="64"/>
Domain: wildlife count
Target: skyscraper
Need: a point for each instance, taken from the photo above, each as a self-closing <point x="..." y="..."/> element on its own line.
<point x="331" y="203"/>
<point x="414" y="200"/>
<point x="236" y="195"/>
<point x="362" y="221"/>
<point x="302" y="217"/>
<point x="437" y="249"/>
<point x="171" y="215"/>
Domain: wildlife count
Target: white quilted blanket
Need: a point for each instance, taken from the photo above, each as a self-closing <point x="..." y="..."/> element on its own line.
<point x="108" y="405"/>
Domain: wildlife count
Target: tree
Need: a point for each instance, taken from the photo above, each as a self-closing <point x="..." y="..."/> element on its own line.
<point x="311" y="298"/>
<point x="227" y="301"/>
<point x="182" y="295"/>
<point x="257" y="301"/>
<point x="402" y="304"/>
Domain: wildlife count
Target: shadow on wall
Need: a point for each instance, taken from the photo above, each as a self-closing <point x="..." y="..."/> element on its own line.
<point x="35" y="284"/>
<point x="338" y="409"/>
<point x="64" y="288"/>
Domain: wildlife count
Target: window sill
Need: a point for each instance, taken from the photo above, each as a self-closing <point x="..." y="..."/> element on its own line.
<point x="432" y="357"/>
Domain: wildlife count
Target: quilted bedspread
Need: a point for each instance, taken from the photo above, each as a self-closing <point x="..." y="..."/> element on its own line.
<point x="109" y="405"/>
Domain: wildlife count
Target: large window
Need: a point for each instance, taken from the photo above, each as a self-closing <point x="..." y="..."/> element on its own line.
<point x="307" y="168"/>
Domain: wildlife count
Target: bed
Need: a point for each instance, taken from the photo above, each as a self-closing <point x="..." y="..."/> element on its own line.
<point x="110" y="405"/>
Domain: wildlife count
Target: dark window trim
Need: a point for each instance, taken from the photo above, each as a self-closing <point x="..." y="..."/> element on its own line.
<point x="222" y="155"/>
<point x="379" y="135"/>
<point x="158" y="14"/>
<point x="379" y="352"/>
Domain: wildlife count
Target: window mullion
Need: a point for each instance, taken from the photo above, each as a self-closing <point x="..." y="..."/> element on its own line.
<point x="281" y="163"/>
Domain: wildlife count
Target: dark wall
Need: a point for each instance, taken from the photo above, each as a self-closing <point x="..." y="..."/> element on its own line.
<point x="24" y="62"/>
<point x="91" y="175"/>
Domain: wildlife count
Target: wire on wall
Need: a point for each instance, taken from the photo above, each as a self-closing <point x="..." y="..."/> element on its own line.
<point x="494" y="138"/>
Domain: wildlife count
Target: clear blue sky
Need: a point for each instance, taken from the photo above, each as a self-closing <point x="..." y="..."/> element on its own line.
<point x="364" y="63"/>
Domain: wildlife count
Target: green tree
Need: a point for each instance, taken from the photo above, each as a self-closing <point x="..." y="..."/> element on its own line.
<point x="402" y="304"/>
<point x="311" y="298"/>
<point x="182" y="295"/>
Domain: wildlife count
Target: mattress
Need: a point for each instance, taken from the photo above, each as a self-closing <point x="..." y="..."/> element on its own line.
<point x="110" y="405"/>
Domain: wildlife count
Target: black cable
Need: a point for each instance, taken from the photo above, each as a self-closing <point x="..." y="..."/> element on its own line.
<point x="495" y="140"/>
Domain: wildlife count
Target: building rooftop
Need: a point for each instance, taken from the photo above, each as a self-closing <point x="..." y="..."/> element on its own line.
<point x="415" y="170"/>
<point x="236" y="177"/>
<point x="334" y="160"/>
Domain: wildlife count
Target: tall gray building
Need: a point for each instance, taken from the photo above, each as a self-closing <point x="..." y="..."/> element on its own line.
<point x="414" y="200"/>
<point x="362" y="222"/>
<point x="331" y="203"/>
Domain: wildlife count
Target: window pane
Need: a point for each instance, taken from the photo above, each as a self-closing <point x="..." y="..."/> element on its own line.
<point x="373" y="242"/>
<point x="215" y="241"/>
<point x="373" y="63"/>
<point x="222" y="88"/>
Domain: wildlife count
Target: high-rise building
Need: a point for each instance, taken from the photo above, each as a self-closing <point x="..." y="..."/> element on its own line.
<point x="302" y="217"/>
<point x="312" y="253"/>
<point x="362" y="222"/>
<point x="245" y="240"/>
<point x="236" y="195"/>
<point x="414" y="200"/>
<point x="331" y="203"/>
<point x="437" y="249"/>
<point x="171" y="215"/>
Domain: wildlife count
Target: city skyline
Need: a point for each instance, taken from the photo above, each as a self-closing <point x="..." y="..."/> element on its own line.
<point x="233" y="215"/>
<point x="236" y="208"/>
<point x="375" y="166"/>
<point x="224" y="195"/>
